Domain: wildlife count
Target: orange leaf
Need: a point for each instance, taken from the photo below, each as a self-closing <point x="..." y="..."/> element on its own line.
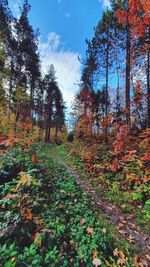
<point x="1" y="151"/>
<point x="37" y="238"/>
<point x="94" y="254"/>
<point x="26" y="214"/>
<point x="34" y="158"/>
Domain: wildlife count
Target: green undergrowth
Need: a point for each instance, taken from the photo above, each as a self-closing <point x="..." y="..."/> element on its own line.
<point x="112" y="186"/>
<point x="47" y="220"/>
<point x="13" y="161"/>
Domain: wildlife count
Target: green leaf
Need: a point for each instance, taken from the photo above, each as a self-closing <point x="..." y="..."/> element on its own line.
<point x="8" y="264"/>
<point x="13" y="253"/>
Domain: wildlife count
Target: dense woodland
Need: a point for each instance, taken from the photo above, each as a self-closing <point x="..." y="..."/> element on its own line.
<point x="27" y="98"/>
<point x="96" y="212"/>
<point x="115" y="77"/>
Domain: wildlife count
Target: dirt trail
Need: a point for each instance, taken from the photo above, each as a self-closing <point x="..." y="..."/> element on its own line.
<point x="124" y="223"/>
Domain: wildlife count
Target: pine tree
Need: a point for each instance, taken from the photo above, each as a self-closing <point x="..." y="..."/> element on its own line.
<point x="49" y="86"/>
<point x="59" y="115"/>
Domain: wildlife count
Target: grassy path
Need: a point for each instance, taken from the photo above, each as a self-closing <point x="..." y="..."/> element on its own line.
<point x="124" y="224"/>
<point x="47" y="220"/>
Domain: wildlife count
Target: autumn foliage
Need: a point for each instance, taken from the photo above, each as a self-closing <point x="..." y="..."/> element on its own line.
<point x="137" y="15"/>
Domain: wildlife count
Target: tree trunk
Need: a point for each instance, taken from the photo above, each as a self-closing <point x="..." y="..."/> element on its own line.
<point x="32" y="98"/>
<point x="148" y="90"/>
<point x="107" y="73"/>
<point x="56" y="134"/>
<point x="128" y="70"/>
<point x="46" y="131"/>
<point x="48" y="134"/>
<point x="10" y="94"/>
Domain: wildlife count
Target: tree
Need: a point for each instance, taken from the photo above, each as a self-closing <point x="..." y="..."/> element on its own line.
<point x="122" y="12"/>
<point x="59" y="116"/>
<point x="28" y="62"/>
<point x="140" y="27"/>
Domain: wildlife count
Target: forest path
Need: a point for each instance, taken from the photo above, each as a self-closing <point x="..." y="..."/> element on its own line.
<point x="124" y="224"/>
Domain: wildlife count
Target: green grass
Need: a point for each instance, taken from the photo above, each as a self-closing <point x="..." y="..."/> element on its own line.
<point x="110" y="187"/>
<point x="57" y="223"/>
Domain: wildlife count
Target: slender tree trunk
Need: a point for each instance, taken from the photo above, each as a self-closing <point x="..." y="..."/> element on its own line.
<point x="17" y="113"/>
<point x="107" y="74"/>
<point x="49" y="134"/>
<point x="32" y="98"/>
<point x="10" y="94"/>
<point x="128" y="70"/>
<point x="56" y="134"/>
<point x="16" y="120"/>
<point x="148" y="87"/>
<point x="46" y="133"/>
<point x="10" y="84"/>
<point x="118" y="83"/>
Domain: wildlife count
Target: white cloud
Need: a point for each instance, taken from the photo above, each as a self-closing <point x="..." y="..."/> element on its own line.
<point x="66" y="64"/>
<point x="105" y="3"/>
<point x="53" y="40"/>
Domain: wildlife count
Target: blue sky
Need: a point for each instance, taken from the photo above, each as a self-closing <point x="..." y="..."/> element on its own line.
<point x="64" y="25"/>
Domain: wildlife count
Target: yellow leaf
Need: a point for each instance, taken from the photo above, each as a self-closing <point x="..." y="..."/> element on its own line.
<point x="12" y="259"/>
<point x="107" y="263"/>
<point x="94" y="254"/>
<point x="23" y="179"/>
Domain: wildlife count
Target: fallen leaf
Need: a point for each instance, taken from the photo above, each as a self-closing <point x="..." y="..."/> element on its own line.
<point x="89" y="230"/>
<point x="121" y="262"/>
<point x="116" y="252"/>
<point x="130" y="239"/>
<point x="82" y="221"/>
<point x="136" y="259"/>
<point x="96" y="262"/>
<point x="104" y="230"/>
<point x="121" y="258"/>
<point x="34" y="158"/>
<point x="94" y="254"/>
<point x="107" y="263"/>
<point x="121" y="225"/>
<point x="148" y="257"/>
<point x="37" y="238"/>
<point x="10" y="196"/>
<point x="26" y="214"/>
<point x="12" y="259"/>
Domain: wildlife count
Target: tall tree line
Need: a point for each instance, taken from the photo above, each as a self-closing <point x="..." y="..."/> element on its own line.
<point x="23" y="90"/>
<point x="116" y="71"/>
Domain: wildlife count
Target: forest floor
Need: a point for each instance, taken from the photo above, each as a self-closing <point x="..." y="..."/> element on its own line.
<point x="49" y="217"/>
<point x="124" y="223"/>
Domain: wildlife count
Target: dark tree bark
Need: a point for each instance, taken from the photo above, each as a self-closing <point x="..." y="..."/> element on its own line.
<point x="128" y="71"/>
<point x="148" y="88"/>
<point x="107" y="77"/>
